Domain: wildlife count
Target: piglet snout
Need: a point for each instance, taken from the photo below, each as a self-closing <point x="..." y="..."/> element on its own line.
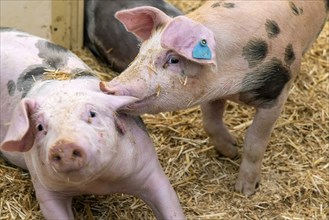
<point x="112" y="88"/>
<point x="66" y="157"/>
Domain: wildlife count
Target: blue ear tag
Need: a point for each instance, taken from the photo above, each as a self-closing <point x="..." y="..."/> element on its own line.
<point x="201" y="50"/>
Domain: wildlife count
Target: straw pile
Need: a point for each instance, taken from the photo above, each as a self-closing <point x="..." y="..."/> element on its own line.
<point x="295" y="171"/>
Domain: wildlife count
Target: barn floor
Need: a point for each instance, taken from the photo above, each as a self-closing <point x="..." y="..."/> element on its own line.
<point x="295" y="171"/>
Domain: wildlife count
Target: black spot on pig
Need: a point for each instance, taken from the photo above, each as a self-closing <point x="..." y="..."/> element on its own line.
<point x="289" y="54"/>
<point x="11" y="86"/>
<point x="228" y="5"/>
<point x="261" y="87"/>
<point x="29" y="77"/>
<point x="327" y="4"/>
<point x="295" y="10"/>
<point x="53" y="55"/>
<point x="255" y="51"/>
<point x="272" y="28"/>
<point x="215" y="5"/>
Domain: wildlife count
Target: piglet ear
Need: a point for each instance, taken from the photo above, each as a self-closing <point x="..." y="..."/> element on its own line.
<point x="20" y="135"/>
<point x="192" y="40"/>
<point x="142" y="20"/>
<point x="116" y="102"/>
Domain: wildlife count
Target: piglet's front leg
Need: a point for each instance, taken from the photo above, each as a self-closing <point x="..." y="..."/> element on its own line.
<point x="53" y="205"/>
<point x="158" y="193"/>
<point x="212" y="118"/>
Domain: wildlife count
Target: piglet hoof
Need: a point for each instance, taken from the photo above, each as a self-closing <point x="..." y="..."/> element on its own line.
<point x="230" y="151"/>
<point x="225" y="146"/>
<point x="247" y="185"/>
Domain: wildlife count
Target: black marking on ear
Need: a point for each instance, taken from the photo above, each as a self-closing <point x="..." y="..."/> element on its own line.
<point x="272" y="28"/>
<point x="255" y="51"/>
<point x="295" y="10"/>
<point x="53" y="55"/>
<point x="228" y="5"/>
<point x="327" y="4"/>
<point x="29" y="76"/>
<point x="262" y="87"/>
<point x="216" y="4"/>
<point x="289" y="54"/>
<point x="11" y="87"/>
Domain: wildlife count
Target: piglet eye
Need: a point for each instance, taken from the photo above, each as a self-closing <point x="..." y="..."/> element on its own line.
<point x="92" y="114"/>
<point x="170" y="60"/>
<point x="40" y="127"/>
<point x="173" y="60"/>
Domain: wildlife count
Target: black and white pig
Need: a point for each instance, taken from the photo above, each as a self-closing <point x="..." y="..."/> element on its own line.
<point x="107" y="38"/>
<point x="69" y="135"/>
<point x="245" y="51"/>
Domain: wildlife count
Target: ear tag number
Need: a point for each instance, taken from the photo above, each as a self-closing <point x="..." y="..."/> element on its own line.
<point x="201" y="50"/>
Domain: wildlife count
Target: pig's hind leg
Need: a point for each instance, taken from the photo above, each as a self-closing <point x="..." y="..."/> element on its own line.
<point x="212" y="117"/>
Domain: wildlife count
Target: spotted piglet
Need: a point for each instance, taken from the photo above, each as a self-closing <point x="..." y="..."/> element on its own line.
<point x="68" y="133"/>
<point x="244" y="51"/>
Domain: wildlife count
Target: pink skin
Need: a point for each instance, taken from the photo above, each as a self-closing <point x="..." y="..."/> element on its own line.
<point x="165" y="77"/>
<point x="71" y="138"/>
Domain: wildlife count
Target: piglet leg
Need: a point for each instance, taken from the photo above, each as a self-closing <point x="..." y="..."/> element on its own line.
<point x="212" y="117"/>
<point x="53" y="205"/>
<point x="256" y="140"/>
<point x="158" y="193"/>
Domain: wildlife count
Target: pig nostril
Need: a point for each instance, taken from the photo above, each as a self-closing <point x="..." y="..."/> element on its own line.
<point x="76" y="153"/>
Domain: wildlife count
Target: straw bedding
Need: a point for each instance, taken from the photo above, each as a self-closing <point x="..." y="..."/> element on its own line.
<point x="295" y="171"/>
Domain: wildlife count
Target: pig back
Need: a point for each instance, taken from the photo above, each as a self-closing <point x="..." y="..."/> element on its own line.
<point x="276" y="22"/>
